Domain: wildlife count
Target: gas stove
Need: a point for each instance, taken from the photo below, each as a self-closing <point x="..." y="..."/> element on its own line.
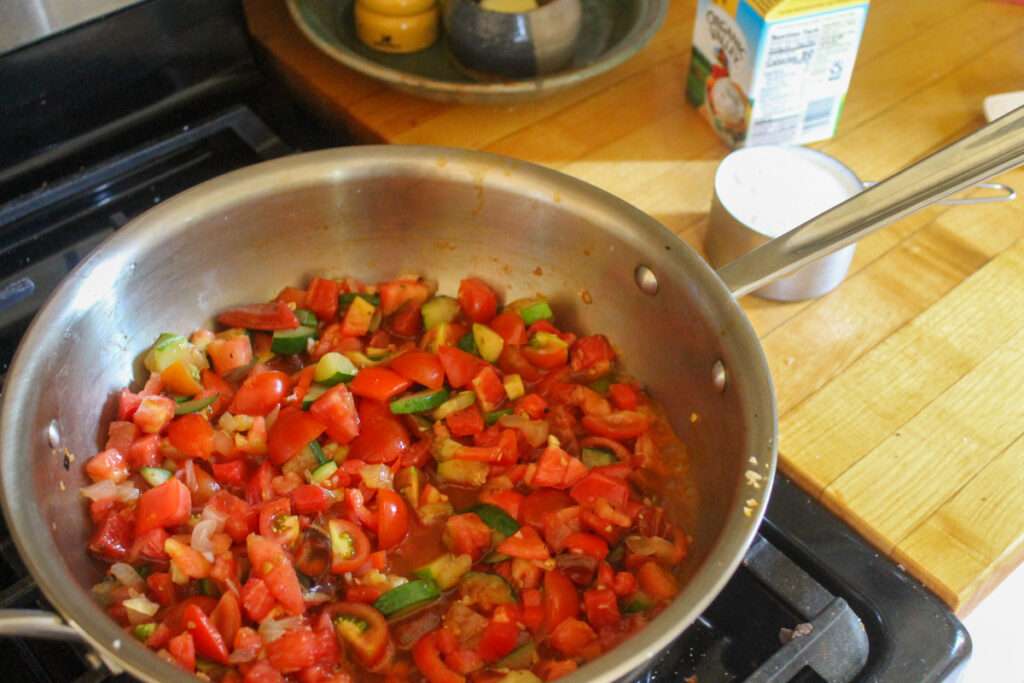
<point x="105" y="119"/>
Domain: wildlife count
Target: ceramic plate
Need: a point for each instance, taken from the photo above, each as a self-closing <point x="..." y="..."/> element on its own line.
<point x="612" y="32"/>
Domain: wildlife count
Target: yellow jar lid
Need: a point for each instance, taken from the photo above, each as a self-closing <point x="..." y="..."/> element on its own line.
<point x="397" y="7"/>
<point x="396" y="33"/>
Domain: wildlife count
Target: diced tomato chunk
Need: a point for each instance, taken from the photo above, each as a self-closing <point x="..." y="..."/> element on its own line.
<point x="168" y="504"/>
<point x="478" y="300"/>
<point x="336" y="410"/>
<point x="322" y="297"/>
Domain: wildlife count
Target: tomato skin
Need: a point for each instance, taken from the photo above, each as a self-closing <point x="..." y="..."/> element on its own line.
<point x="369" y="644"/>
<point x="557" y="469"/>
<point x="207" y="639"/>
<point x="230" y="354"/>
<point x="183" y="648"/>
<point x="309" y="499"/>
<point x="275" y="315"/>
<point x="573" y="637"/>
<point x="225" y="392"/>
<point x="656" y="581"/>
<point x="509" y="324"/>
<point x="336" y="410"/>
<point x="241" y="519"/>
<point x="561" y="601"/>
<point x="274" y="522"/>
<point x="478" y="300"/>
<point x="291" y="651"/>
<point x="427" y="655"/>
<point x="354" y="550"/>
<point x="526" y="544"/>
<point x="108" y="464"/>
<point x="547" y="356"/>
<point x="168" y="504"/>
<point x="382" y="436"/>
<point x="466" y="534"/>
<point x="459" y="366"/>
<point x="192" y="435"/>
<point x="541" y="501"/>
<point x="322" y="297"/>
<point x="260" y="393"/>
<point x="422" y="367"/>
<point x="620" y="425"/>
<point x="601" y="607"/>
<point x="599" y="485"/>
<point x="592" y="356"/>
<point x="112" y="538"/>
<point x="272" y="566"/>
<point x="378" y="383"/>
<point x="394" y="295"/>
<point x="290" y="433"/>
<point x="465" y="422"/>
<point x="392" y="519"/>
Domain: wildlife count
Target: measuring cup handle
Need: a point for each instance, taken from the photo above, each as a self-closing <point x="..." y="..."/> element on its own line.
<point x="992" y="149"/>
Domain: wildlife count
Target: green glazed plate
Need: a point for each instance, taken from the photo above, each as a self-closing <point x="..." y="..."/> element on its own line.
<point x="612" y="32"/>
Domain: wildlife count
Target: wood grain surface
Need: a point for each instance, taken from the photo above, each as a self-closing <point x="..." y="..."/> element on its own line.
<point x="901" y="393"/>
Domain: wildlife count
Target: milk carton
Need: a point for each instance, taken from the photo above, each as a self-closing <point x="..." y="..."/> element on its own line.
<point x="773" y="71"/>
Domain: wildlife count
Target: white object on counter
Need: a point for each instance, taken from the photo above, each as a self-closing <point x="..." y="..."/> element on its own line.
<point x="998" y="105"/>
<point x="997" y="634"/>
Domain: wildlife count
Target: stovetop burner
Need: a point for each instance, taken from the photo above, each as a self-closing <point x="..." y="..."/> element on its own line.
<point x="810" y="602"/>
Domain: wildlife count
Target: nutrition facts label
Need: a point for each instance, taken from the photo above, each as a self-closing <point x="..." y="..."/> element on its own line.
<point x="804" y="69"/>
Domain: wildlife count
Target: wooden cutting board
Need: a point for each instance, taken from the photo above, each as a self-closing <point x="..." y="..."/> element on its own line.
<point x="901" y="393"/>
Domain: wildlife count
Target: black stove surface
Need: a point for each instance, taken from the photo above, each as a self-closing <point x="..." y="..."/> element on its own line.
<point x="82" y="167"/>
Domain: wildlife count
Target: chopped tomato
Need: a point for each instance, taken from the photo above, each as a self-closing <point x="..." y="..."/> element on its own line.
<point x="478" y="300"/>
<point x="270" y="564"/>
<point x="422" y="367"/>
<point x="656" y="581"/>
<point x="230" y="354"/>
<point x="382" y="437"/>
<point x="392" y="519"/>
<point x="467" y="534"/>
<point x="192" y="435"/>
<point x="207" y="639"/>
<point x="395" y="295"/>
<point x="510" y="326"/>
<point x="624" y="396"/>
<point x="181" y="377"/>
<point x="154" y="413"/>
<point x="459" y="367"/>
<point x="465" y="422"/>
<point x="350" y="548"/>
<point x="362" y="628"/>
<point x="557" y="469"/>
<point x="378" y="383"/>
<point x="260" y="393"/>
<point x="546" y="350"/>
<point x="622" y="424"/>
<point x="561" y="601"/>
<point x="596" y="485"/>
<point x="525" y="543"/>
<point x="277" y="524"/>
<point x="322" y="297"/>
<point x="183" y="648"/>
<point x="541" y="501"/>
<point x="109" y="464"/>
<point x="276" y="315"/>
<point x="336" y="410"/>
<point x="592" y="355"/>
<point x="309" y="499"/>
<point x="489" y="389"/>
<point x="291" y="651"/>
<point x="216" y="384"/>
<point x="427" y="655"/>
<point x="168" y="504"/>
<point x="572" y="637"/>
<point x="290" y="433"/>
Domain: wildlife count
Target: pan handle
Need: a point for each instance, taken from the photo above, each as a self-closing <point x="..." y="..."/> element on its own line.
<point x="31" y="623"/>
<point x="992" y="149"/>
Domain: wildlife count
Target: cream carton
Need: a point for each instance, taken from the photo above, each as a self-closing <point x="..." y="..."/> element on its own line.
<point x="773" y="71"/>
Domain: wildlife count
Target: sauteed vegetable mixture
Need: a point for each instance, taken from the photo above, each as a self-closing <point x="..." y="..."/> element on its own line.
<point x="359" y="482"/>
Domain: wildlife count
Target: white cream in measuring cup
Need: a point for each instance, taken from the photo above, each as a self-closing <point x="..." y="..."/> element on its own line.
<point x="765" y="191"/>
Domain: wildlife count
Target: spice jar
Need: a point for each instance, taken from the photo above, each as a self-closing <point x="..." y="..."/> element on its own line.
<point x="397" y="25"/>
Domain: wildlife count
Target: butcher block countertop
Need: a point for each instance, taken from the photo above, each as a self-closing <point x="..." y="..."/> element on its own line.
<point x="901" y="393"/>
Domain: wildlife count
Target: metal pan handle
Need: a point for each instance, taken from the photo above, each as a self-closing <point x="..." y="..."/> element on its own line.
<point x="29" y="623"/>
<point x="992" y="149"/>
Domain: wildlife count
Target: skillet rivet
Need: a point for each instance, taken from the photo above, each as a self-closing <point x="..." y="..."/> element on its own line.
<point x="718" y="376"/>
<point x="646" y="280"/>
<point x="53" y="434"/>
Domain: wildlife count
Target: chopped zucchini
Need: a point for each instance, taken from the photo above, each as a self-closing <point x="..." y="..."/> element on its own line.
<point x="168" y="349"/>
<point x="459" y="401"/>
<point x="194" y="405"/>
<point x="306" y="460"/>
<point x="486" y="591"/>
<point x="144" y="631"/>
<point x="446" y="570"/>
<point x="488" y="342"/>
<point x="419" y="402"/>
<point x="324" y="472"/>
<point x="638" y="602"/>
<point x="601" y="384"/>
<point x="496" y="518"/>
<point x="401" y="598"/>
<point x="154" y="476"/>
<point x="334" y="368"/>
<point x="348" y="297"/>
<point x="292" y="341"/>
<point x="445" y="449"/>
<point x="306" y="317"/>
<point x="464" y="472"/>
<point x="314" y="392"/>
<point x="495" y="415"/>
<point x="538" y="310"/>
<point x="523" y="657"/>
<point x="514" y="387"/>
<point x="440" y="309"/>
<point x="597" y="457"/>
<point x="468" y="344"/>
<point x="520" y="676"/>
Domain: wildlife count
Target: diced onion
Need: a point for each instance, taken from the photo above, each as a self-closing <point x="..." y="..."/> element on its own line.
<point x="140" y="609"/>
<point x="202" y="537"/>
<point x="190" y="475"/>
<point x="272" y="629"/>
<point x="376" y="476"/>
<point x="241" y="656"/>
<point x="127" y="493"/>
<point x="210" y="514"/>
<point x="127" y="575"/>
<point x="101" y="490"/>
<point x="535" y="431"/>
<point x="654" y="546"/>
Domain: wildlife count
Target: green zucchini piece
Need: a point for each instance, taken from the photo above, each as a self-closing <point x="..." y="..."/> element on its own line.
<point x="440" y="309"/>
<point x="523" y="657"/>
<point x="194" y="405"/>
<point x="468" y="344"/>
<point x="348" y="297"/>
<point x="488" y="342"/>
<point x="324" y="472"/>
<point x="492" y="417"/>
<point x="419" y="402"/>
<point x="638" y="602"/>
<point x="496" y="518"/>
<point x="520" y="676"/>
<point x="538" y="310"/>
<point x="486" y="591"/>
<point x="318" y="453"/>
<point x="314" y="392"/>
<point x="464" y="472"/>
<point x="597" y="457"/>
<point x="459" y="401"/>
<point x="601" y="384"/>
<point x="287" y="342"/>
<point x="142" y="632"/>
<point x="514" y="387"/>
<point x="154" y="476"/>
<point x="306" y="317"/>
<point x="334" y="368"/>
<point x="446" y="570"/>
<point x="407" y="595"/>
<point x="167" y="349"/>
